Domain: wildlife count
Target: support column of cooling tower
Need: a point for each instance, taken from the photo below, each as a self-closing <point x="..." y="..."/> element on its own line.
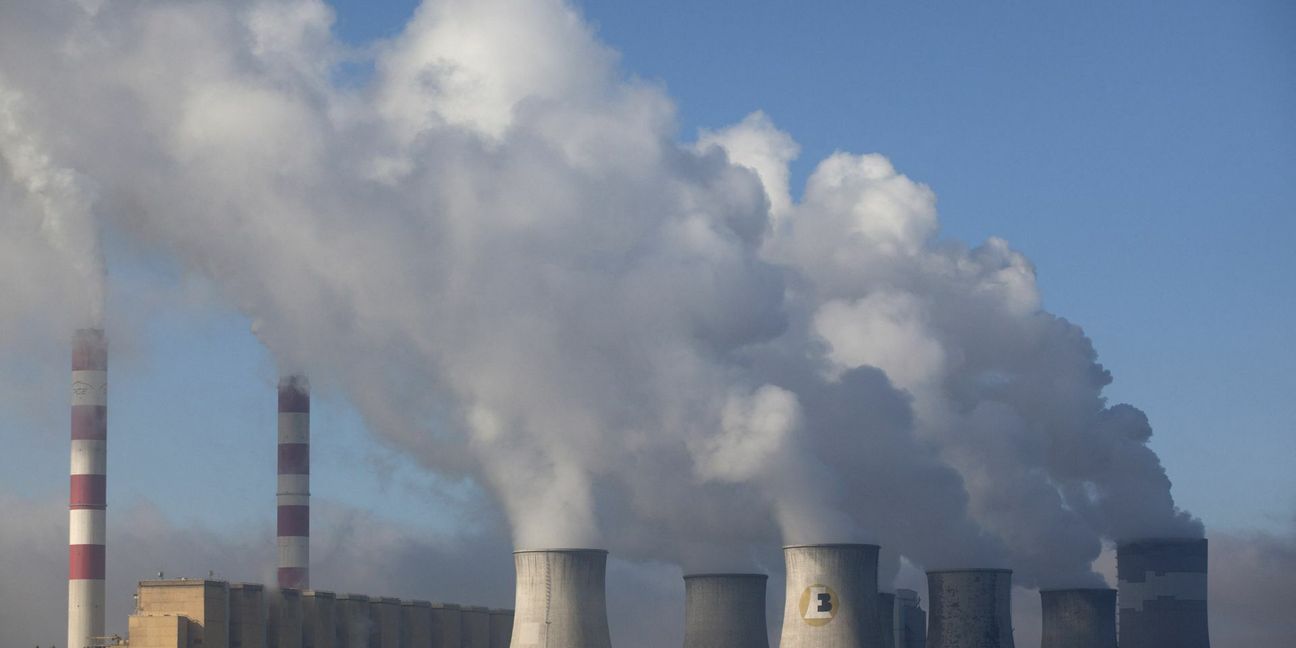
<point x="970" y="608"/>
<point x="1078" y="618"/>
<point x="1162" y="593"/>
<point x="294" y="482"/>
<point x="831" y="596"/>
<point x="560" y="599"/>
<point x="725" y="611"/>
<point x="88" y="503"/>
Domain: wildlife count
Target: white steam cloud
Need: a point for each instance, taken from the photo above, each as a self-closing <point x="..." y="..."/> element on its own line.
<point x="498" y="248"/>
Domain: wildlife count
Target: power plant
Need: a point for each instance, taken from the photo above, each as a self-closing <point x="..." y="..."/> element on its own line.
<point x="832" y="596"/>
<point x="1162" y="593"/>
<point x="725" y="611"/>
<point x="88" y="500"/>
<point x="560" y="599"/>
<point x="970" y="608"/>
<point x="1078" y="618"/>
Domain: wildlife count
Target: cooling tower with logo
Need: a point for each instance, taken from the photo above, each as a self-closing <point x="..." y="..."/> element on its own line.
<point x="560" y="599"/>
<point x="832" y="596"/>
<point x="725" y="611"/>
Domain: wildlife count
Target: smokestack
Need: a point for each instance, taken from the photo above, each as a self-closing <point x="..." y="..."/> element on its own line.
<point x="970" y="608"/>
<point x="1078" y="618"/>
<point x="88" y="503"/>
<point x="294" y="482"/>
<point x="831" y="596"/>
<point x="886" y="619"/>
<point x="725" y="611"/>
<point x="560" y="599"/>
<point x="1162" y="596"/>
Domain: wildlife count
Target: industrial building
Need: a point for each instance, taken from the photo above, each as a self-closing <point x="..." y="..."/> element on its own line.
<point x="205" y="613"/>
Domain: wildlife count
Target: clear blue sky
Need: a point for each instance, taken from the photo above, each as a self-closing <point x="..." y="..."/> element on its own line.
<point x="1143" y="155"/>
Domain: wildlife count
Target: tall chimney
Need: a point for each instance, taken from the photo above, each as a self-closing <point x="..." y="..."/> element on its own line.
<point x="294" y="482"/>
<point x="1078" y="618"/>
<point x="831" y="598"/>
<point x="725" y="611"/>
<point x="560" y="599"/>
<point x="970" y="608"/>
<point x="88" y="503"/>
<point x="1162" y="597"/>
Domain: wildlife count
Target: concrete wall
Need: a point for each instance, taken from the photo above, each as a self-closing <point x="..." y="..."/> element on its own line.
<point x="831" y="596"/>
<point x="476" y="628"/>
<point x="158" y="631"/>
<point x="911" y="620"/>
<point x="970" y="608"/>
<point x="886" y="619"/>
<point x="352" y="613"/>
<point x="725" y="611"/>
<point x="416" y="624"/>
<point x="501" y="628"/>
<point x="447" y="625"/>
<point x="284" y="629"/>
<point x="1162" y="593"/>
<point x="560" y="599"/>
<point x="1078" y="618"/>
<point x="204" y="602"/>
<point x="319" y="623"/>
<point x="385" y="617"/>
<point x="247" y="616"/>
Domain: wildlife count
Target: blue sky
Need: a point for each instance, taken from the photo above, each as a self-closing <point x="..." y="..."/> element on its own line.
<point x="1143" y="156"/>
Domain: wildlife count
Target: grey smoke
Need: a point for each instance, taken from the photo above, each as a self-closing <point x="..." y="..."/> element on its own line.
<point x="508" y="261"/>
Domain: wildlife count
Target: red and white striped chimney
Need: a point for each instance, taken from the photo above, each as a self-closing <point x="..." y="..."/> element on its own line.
<point x="294" y="482"/>
<point x="87" y="506"/>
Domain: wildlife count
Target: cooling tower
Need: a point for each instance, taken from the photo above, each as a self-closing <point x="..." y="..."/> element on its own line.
<point x="831" y="596"/>
<point x="293" y="493"/>
<point x="501" y="628"/>
<point x="560" y="599"/>
<point x="970" y="608"/>
<point x="1078" y="618"/>
<point x="88" y="502"/>
<point x="1162" y="585"/>
<point x="476" y="627"/>
<point x="911" y="620"/>
<point x="725" y="611"/>
<point x="447" y="625"/>
<point x="886" y="619"/>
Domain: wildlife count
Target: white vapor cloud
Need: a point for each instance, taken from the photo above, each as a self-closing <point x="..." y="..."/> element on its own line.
<point x="498" y="248"/>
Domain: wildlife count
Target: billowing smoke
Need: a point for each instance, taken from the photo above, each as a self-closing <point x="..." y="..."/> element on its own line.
<point x="496" y="245"/>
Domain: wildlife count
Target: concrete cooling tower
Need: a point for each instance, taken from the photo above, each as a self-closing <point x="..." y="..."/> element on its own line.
<point x="832" y="596"/>
<point x="88" y="502"/>
<point x="1162" y="593"/>
<point x="560" y="599"/>
<point x="970" y="608"/>
<point x="1078" y="618"/>
<point x="725" y="611"/>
